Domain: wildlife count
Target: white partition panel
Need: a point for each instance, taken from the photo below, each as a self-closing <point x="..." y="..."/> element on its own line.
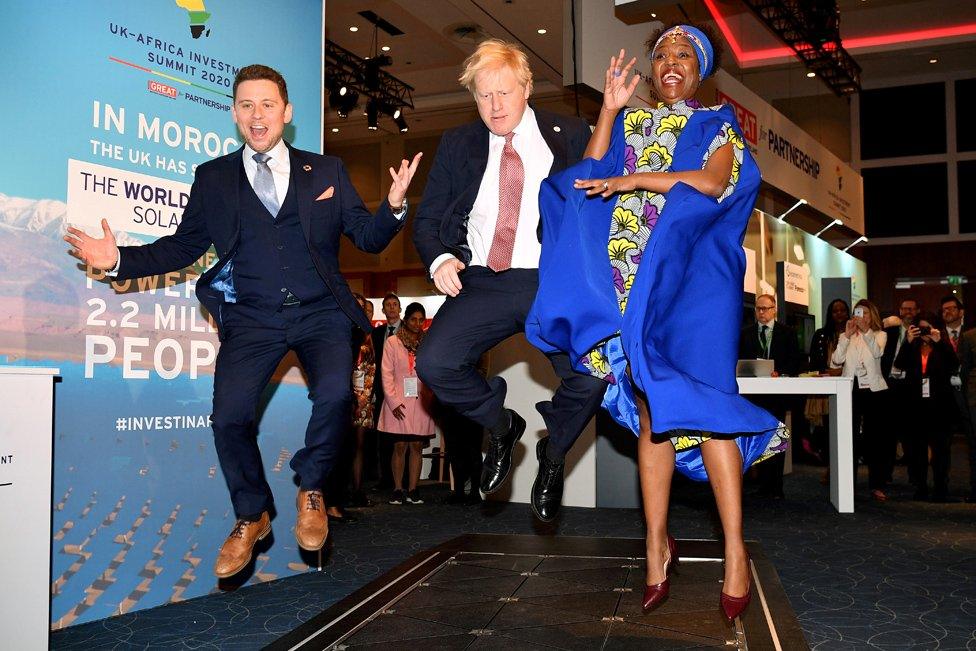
<point x="26" y="436"/>
<point x="530" y="379"/>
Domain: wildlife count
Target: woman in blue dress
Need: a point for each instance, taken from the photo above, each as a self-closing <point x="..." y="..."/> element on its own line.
<point x="641" y="282"/>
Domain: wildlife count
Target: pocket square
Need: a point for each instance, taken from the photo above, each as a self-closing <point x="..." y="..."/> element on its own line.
<point x="327" y="194"/>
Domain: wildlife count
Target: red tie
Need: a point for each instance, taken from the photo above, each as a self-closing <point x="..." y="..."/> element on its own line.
<point x="511" y="178"/>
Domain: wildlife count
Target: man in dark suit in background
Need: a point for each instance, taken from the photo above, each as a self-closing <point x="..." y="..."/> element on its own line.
<point x="898" y="396"/>
<point x="275" y="215"/>
<point x="770" y="339"/>
<point x="382" y="448"/>
<point x="956" y="325"/>
<point x="477" y="231"/>
<point x="967" y="371"/>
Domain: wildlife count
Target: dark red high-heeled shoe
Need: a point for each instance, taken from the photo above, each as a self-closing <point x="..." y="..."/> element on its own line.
<point x="656" y="594"/>
<point x="731" y="606"/>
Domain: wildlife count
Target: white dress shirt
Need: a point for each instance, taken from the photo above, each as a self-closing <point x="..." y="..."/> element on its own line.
<point x="860" y="356"/>
<point x="536" y="162"/>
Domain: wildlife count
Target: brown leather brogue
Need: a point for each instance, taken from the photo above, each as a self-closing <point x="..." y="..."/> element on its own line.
<point x="236" y="551"/>
<point x="312" y="526"/>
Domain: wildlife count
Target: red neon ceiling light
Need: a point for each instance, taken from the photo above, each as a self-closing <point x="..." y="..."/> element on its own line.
<point x="748" y="56"/>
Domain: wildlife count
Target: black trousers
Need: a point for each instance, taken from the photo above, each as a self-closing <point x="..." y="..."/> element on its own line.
<point x="932" y="430"/>
<point x="491" y="308"/>
<point x="875" y="441"/>
<point x="464" y="438"/>
<point x="320" y="334"/>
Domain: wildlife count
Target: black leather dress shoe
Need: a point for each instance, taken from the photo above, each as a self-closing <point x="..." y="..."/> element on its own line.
<point x="547" y="491"/>
<point x="498" y="460"/>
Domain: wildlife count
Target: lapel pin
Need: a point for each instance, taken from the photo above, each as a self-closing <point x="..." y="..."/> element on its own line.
<point x="307" y="168"/>
<point x="556" y="129"/>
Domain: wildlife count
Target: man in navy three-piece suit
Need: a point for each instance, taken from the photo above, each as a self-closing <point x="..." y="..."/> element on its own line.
<point x="274" y="214"/>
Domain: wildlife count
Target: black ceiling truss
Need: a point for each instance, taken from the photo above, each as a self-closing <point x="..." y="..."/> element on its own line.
<point x="811" y="28"/>
<point x="364" y="79"/>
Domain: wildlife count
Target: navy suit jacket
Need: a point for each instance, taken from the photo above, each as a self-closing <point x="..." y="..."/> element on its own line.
<point x="441" y="224"/>
<point x="212" y="217"/>
<point x="783" y="349"/>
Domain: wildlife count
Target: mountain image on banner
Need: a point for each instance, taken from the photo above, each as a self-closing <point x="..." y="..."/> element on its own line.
<point x="46" y="304"/>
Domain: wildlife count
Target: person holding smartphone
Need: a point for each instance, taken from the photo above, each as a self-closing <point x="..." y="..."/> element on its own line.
<point x="929" y="364"/>
<point x="859" y="350"/>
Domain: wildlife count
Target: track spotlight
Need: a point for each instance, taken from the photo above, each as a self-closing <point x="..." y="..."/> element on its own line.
<point x="795" y="206"/>
<point x="372" y="115"/>
<point x="855" y="243"/>
<point x="835" y="222"/>
<point x="401" y="123"/>
<point x="347" y="103"/>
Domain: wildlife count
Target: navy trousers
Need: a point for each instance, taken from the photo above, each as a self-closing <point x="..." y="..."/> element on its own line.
<point x="320" y="334"/>
<point x="491" y="308"/>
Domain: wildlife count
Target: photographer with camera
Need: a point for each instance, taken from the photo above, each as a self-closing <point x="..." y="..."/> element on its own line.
<point x="859" y="350"/>
<point x="929" y="364"/>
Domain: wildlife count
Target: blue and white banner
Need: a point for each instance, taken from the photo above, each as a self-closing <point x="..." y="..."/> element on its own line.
<point x="108" y="108"/>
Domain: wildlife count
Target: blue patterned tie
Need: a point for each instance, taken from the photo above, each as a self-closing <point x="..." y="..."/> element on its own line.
<point x="264" y="185"/>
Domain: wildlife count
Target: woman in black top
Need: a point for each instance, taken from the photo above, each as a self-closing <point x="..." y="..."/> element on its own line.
<point x="825" y="339"/>
<point x="929" y="363"/>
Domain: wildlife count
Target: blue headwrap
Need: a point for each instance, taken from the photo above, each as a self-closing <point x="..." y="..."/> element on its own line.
<point x="698" y="40"/>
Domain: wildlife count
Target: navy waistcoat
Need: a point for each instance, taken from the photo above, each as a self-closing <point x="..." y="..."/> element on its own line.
<point x="272" y="257"/>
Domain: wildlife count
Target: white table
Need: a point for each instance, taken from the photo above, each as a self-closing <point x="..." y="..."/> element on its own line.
<point x="26" y="441"/>
<point x="841" y="425"/>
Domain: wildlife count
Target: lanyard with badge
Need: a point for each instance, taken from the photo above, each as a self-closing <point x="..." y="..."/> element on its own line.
<point x="411" y="388"/>
<point x="926" y="391"/>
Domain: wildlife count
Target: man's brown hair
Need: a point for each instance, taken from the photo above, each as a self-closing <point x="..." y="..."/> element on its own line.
<point x="258" y="71"/>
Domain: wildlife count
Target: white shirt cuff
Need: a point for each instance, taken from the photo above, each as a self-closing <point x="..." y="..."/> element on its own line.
<point x="439" y="260"/>
<point x="114" y="271"/>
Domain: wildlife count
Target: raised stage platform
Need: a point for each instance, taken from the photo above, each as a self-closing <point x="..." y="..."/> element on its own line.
<point x="482" y="591"/>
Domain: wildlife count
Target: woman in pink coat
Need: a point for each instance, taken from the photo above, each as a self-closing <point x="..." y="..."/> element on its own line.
<point x="407" y="403"/>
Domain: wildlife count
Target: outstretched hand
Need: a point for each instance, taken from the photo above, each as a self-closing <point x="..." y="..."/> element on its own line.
<point x="617" y="90"/>
<point x="100" y="253"/>
<point x="401" y="180"/>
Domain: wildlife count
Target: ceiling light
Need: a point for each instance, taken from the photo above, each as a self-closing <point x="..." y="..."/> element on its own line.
<point x="933" y="60"/>
<point x="396" y="113"/>
<point x="401" y="124"/>
<point x="541" y="30"/>
<point x="385" y="48"/>
<point x="811" y="74"/>
<point x="343" y="90"/>
<point x="335" y="129"/>
<point x="353" y="29"/>
<point x="653" y="15"/>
